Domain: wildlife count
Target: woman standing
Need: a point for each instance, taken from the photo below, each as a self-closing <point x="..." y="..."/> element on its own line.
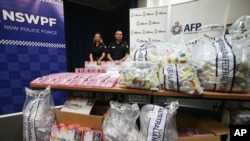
<point x="98" y="49"/>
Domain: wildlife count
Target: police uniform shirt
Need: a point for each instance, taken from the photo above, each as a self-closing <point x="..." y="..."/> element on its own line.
<point x="97" y="51"/>
<point x="118" y="51"/>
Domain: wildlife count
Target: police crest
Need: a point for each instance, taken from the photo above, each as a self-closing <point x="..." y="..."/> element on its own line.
<point x="176" y="28"/>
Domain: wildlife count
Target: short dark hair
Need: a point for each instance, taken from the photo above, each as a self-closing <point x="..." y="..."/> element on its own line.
<point x="118" y="31"/>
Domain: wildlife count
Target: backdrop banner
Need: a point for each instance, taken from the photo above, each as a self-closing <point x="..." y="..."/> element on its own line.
<point x="148" y="25"/>
<point x="187" y="18"/>
<point x="155" y="24"/>
<point x="32" y="44"/>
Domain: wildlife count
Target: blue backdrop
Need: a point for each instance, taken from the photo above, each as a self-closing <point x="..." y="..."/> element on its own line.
<point x="32" y="44"/>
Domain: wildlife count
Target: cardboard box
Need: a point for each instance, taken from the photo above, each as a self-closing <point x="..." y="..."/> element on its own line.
<point x="209" y="125"/>
<point x="93" y="121"/>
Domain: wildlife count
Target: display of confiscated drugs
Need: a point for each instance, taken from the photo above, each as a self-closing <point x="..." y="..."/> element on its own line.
<point x="38" y="115"/>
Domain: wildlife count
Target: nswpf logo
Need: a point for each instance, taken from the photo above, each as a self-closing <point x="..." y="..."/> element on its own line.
<point x="177" y="28"/>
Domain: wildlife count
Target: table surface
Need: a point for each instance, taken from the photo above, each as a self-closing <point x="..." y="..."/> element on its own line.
<point x="206" y="95"/>
<point x="97" y="89"/>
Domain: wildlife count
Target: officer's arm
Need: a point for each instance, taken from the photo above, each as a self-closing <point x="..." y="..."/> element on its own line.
<point x="91" y="57"/>
<point x="127" y="53"/>
<point x="109" y="57"/>
<point x="103" y="55"/>
<point x="108" y="54"/>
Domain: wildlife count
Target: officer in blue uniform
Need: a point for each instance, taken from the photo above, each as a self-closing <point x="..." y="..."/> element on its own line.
<point x="118" y="51"/>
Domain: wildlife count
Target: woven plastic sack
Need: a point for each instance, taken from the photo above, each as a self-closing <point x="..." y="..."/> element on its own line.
<point x="158" y="123"/>
<point x="38" y="115"/>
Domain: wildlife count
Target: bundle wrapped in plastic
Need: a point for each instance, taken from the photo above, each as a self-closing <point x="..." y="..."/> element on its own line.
<point x="142" y="52"/>
<point x="205" y="60"/>
<point x="139" y="74"/>
<point x="180" y="77"/>
<point x="158" y="123"/>
<point x="223" y="64"/>
<point x="217" y="72"/>
<point x="38" y="115"/>
<point x="120" y="123"/>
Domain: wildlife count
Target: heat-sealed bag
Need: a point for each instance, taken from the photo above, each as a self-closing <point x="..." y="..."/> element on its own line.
<point x="139" y="74"/>
<point x="158" y="123"/>
<point x="217" y="71"/>
<point x="180" y="77"/>
<point x="38" y="115"/>
<point x="120" y="123"/>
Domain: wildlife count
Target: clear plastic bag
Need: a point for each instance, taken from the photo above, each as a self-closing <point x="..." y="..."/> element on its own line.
<point x="38" y="115"/>
<point x="139" y="74"/>
<point x="176" y="51"/>
<point x="180" y="77"/>
<point x="158" y="123"/>
<point x="223" y="65"/>
<point x="143" y="52"/>
<point x="241" y="50"/>
<point x="240" y="25"/>
<point x="172" y="51"/>
<point x="120" y="123"/>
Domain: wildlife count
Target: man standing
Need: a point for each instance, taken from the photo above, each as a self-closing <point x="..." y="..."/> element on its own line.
<point x="118" y="51"/>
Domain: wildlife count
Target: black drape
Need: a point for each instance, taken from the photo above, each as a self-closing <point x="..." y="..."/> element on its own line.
<point x="82" y="22"/>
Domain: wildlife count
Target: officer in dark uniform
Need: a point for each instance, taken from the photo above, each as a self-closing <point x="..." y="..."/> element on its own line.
<point x="98" y="49"/>
<point x="118" y="51"/>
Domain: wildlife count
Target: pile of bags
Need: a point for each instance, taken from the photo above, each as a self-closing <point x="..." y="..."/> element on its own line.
<point x="208" y="63"/>
<point x="156" y="123"/>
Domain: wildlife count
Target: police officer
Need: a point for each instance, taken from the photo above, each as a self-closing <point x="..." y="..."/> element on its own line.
<point x="118" y="51"/>
<point x="98" y="49"/>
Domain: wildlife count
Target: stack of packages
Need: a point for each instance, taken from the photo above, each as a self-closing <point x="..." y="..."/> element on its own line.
<point x="156" y="122"/>
<point x="68" y="79"/>
<point x="74" y="133"/>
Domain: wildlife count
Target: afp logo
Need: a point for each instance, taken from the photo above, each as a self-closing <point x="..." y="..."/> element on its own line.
<point x="192" y="28"/>
<point x="188" y="29"/>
